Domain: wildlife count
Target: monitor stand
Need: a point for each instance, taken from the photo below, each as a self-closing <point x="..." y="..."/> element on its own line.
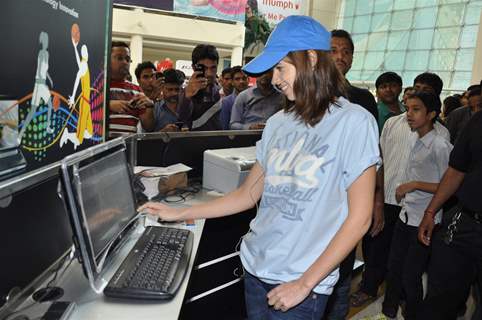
<point x="48" y="294"/>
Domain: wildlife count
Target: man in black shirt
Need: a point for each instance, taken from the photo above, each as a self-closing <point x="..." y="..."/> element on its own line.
<point x="342" y="49"/>
<point x="457" y="248"/>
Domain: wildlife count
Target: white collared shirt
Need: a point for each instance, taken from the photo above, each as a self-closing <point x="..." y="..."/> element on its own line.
<point x="427" y="162"/>
<point x="396" y="141"/>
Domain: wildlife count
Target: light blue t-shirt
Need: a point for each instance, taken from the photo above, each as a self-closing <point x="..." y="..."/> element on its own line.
<point x="308" y="171"/>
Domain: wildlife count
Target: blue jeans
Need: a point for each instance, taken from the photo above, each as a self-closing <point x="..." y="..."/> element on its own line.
<point x="258" y="309"/>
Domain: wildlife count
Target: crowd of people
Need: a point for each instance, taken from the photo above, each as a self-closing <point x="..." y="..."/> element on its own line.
<point x="418" y="211"/>
<point x="168" y="102"/>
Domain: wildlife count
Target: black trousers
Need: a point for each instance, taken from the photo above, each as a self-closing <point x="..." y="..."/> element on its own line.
<point x="452" y="269"/>
<point x="376" y="250"/>
<point x="406" y="264"/>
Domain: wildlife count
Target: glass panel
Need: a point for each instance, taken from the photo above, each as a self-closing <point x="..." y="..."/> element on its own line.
<point x="347" y="24"/>
<point x="377" y="41"/>
<point x="450" y="15"/>
<point x="464" y="60"/>
<point x="426" y="3"/>
<point x="402" y="20"/>
<point x="444" y="2"/>
<point x="469" y="36"/>
<point x="442" y="60"/>
<point x="358" y="59"/>
<point x="421" y="39"/>
<point x="380" y="22"/>
<point x="472" y="14"/>
<point x="364" y="7"/>
<point x="446" y="78"/>
<point x="361" y="24"/>
<point x="404" y="4"/>
<point x="354" y="76"/>
<point x="395" y="60"/>
<point x="370" y="75"/>
<point x="425" y="18"/>
<point x="373" y="60"/>
<point x="383" y="6"/>
<point x="417" y="60"/>
<point x="446" y="38"/>
<point x="461" y="80"/>
<point x="398" y="40"/>
<point x="360" y="42"/>
<point x="349" y="8"/>
<point x="408" y="77"/>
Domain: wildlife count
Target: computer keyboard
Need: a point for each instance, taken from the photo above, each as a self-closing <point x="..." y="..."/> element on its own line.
<point x="155" y="267"/>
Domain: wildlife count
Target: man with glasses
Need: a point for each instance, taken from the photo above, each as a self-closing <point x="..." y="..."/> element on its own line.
<point x="197" y="104"/>
<point x="128" y="106"/>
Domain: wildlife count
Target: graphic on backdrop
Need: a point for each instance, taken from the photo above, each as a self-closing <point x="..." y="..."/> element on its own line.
<point x="61" y="113"/>
<point x="262" y="16"/>
<point x="221" y="9"/>
<point x="41" y="92"/>
<point x="53" y="71"/>
<point x="257" y="30"/>
<point x="276" y="10"/>
<point x="84" y="120"/>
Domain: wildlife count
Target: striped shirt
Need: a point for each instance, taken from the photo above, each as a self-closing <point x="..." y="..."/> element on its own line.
<point x="396" y="142"/>
<point x="124" y="123"/>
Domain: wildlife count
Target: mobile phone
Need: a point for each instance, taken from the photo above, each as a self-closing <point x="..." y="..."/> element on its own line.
<point x="199" y="68"/>
<point x="59" y="310"/>
<point x="179" y="124"/>
<point x="132" y="104"/>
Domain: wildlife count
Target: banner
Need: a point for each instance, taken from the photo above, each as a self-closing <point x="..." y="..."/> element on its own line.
<point x="276" y="10"/>
<point x="53" y="63"/>
<point x="262" y="16"/>
<point x="233" y="10"/>
<point x="166" y="5"/>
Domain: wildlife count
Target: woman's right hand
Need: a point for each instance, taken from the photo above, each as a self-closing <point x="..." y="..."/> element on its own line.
<point x="164" y="212"/>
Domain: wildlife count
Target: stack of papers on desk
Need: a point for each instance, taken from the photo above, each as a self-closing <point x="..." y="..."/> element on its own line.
<point x="150" y="176"/>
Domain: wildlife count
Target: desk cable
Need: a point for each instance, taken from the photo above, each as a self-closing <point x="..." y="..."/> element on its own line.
<point x="239" y="271"/>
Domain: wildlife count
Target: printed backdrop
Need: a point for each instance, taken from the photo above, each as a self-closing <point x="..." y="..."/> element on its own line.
<point x="53" y="63"/>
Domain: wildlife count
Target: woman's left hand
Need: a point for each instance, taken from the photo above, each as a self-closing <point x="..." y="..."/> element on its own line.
<point x="287" y="295"/>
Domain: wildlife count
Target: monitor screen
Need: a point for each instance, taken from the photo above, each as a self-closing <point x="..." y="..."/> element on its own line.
<point x="106" y="199"/>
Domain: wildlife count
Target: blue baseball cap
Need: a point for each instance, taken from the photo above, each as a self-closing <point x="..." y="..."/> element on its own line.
<point x="294" y="33"/>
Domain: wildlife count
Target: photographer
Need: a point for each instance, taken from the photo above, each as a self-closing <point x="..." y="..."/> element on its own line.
<point x="197" y="104"/>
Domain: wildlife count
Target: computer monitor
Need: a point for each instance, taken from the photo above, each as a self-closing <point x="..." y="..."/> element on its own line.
<point x="100" y="200"/>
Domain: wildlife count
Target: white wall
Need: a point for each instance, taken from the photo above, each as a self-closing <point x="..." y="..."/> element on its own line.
<point x="163" y="35"/>
<point x="326" y="12"/>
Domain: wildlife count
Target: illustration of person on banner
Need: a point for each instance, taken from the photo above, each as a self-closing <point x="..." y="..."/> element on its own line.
<point x="41" y="92"/>
<point x="84" y="122"/>
<point x="257" y="29"/>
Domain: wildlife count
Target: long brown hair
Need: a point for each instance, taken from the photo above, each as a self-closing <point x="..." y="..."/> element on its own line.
<point x="314" y="88"/>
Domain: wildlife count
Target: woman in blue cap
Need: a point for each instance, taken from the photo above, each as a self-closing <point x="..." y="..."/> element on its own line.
<point x="315" y="176"/>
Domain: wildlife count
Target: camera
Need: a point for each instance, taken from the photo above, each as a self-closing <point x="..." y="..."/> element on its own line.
<point x="179" y="124"/>
<point x="200" y="68"/>
<point x="159" y="75"/>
